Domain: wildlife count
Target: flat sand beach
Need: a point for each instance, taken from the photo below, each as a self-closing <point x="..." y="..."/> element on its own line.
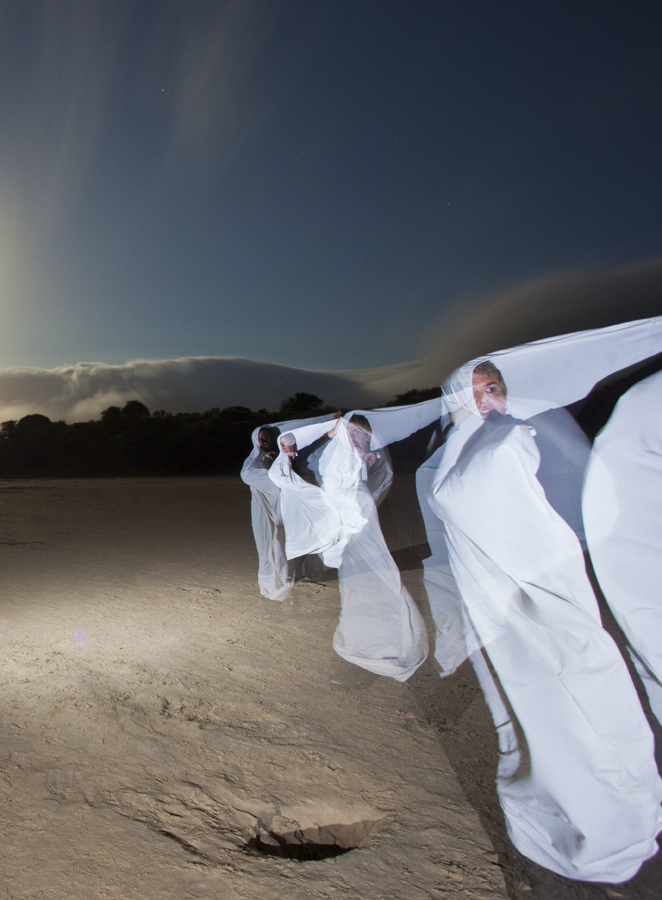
<point x="165" y="732"/>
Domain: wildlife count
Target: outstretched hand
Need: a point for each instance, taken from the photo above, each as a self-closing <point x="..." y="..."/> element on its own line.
<point x="337" y="416"/>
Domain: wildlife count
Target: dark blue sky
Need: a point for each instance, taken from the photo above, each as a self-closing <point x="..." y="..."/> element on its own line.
<point x="311" y="183"/>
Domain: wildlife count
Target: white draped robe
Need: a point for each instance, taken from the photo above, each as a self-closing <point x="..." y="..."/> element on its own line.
<point x="579" y="788"/>
<point x="577" y="778"/>
<point x="380" y="627"/>
<point x="272" y="575"/>
<point x="622" y="504"/>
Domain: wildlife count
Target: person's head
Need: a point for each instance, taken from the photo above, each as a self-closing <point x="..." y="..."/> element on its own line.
<point x="489" y="389"/>
<point x="359" y="432"/>
<point x="267" y="438"/>
<point x="288" y="443"/>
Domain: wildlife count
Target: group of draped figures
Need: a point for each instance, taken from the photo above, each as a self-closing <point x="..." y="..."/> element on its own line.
<point x="516" y="504"/>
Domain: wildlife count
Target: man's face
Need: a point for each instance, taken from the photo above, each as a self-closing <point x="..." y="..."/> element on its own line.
<point x="263" y="441"/>
<point x="289" y="447"/>
<point x="489" y="394"/>
<point x="358" y="437"/>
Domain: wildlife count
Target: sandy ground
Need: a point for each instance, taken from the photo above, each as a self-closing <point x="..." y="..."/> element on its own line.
<point x="162" y="725"/>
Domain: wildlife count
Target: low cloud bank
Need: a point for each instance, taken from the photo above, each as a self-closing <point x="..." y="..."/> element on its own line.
<point x="80" y="392"/>
<point x="534" y="310"/>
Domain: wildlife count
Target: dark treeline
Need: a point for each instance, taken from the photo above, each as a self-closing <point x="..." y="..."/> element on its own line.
<point x="133" y="441"/>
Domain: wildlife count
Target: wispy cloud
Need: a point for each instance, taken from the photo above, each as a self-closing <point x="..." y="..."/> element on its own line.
<point x="68" y="63"/>
<point x="68" y="56"/>
<point x="213" y="95"/>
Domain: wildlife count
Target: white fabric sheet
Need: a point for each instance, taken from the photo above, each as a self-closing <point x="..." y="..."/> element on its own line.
<point x="577" y="780"/>
<point x="560" y="370"/>
<point x="623" y="519"/>
<point x="380" y="627"/>
<point x="394" y="423"/>
<point x="444" y="598"/>
<point x="315" y="520"/>
<point x="326" y="521"/>
<point x="273" y="576"/>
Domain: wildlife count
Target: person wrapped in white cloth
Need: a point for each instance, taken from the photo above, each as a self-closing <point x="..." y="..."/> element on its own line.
<point x="577" y="778"/>
<point x="622" y="504"/>
<point x="380" y="627"/>
<point x="273" y="574"/>
<point x="276" y="573"/>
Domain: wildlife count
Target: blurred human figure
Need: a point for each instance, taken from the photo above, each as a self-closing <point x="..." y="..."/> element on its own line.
<point x="623" y="518"/>
<point x="288" y="445"/>
<point x="309" y="567"/>
<point x="312" y="523"/>
<point x="576" y="779"/>
<point x="274" y="577"/>
<point x="377" y="471"/>
<point x="380" y="628"/>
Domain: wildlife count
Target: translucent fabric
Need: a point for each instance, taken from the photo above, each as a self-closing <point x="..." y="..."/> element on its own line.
<point x="313" y="519"/>
<point x="453" y="641"/>
<point x="623" y="519"/>
<point x="577" y="779"/>
<point x="380" y="627"/>
<point x="272" y="575"/>
<point x="558" y="371"/>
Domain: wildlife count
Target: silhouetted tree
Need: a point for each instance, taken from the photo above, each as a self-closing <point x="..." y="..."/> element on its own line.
<point x="301" y="405"/>
<point x="415" y="396"/>
<point x="32" y="423"/>
<point x="111" y="415"/>
<point x="134" y="409"/>
<point x="129" y="441"/>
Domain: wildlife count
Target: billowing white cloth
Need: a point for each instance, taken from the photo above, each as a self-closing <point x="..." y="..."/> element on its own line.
<point x="558" y="371"/>
<point x="380" y="627"/>
<point x="444" y="598"/>
<point x="323" y="523"/>
<point x="273" y="577"/>
<point x="315" y="520"/>
<point x="394" y="423"/>
<point x="622" y="505"/>
<point x="577" y="780"/>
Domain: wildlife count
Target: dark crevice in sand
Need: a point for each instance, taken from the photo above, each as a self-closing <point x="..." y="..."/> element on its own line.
<point x="304" y="851"/>
<point x="190" y="848"/>
<point x="277" y="835"/>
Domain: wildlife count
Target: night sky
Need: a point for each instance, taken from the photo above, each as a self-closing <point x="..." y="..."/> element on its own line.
<point x="315" y="184"/>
